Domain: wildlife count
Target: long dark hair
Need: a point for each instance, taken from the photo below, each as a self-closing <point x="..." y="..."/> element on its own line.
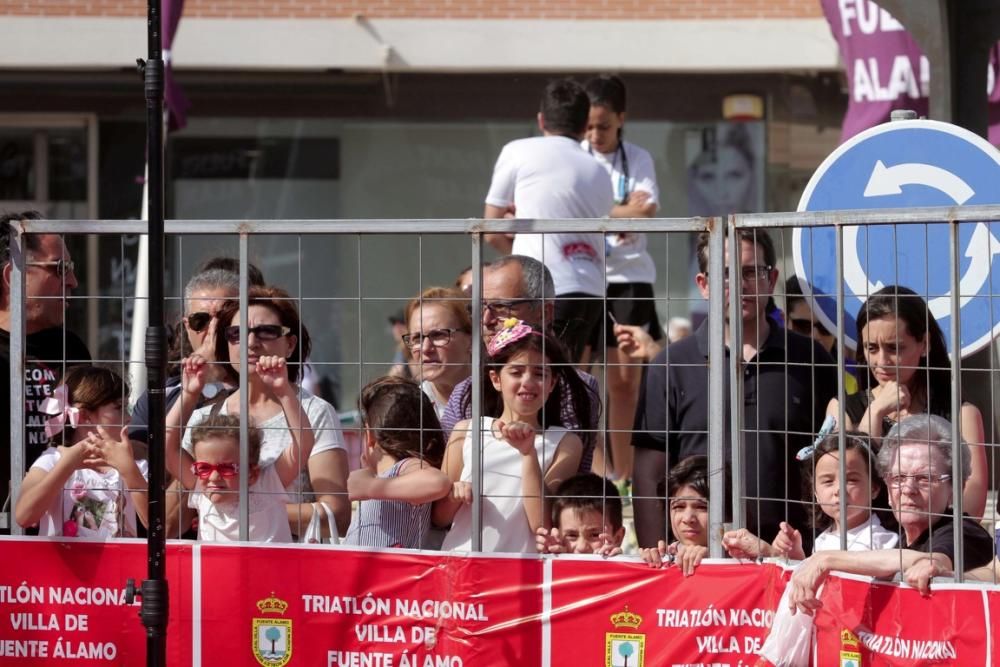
<point x="566" y="380"/>
<point x="932" y="378"/>
<point x="403" y="420"/>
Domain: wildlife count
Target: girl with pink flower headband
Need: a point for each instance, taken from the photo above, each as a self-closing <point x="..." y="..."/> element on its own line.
<point x="526" y="450"/>
<point x="88" y="483"/>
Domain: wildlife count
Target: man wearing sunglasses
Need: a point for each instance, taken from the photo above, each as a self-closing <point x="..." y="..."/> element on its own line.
<point x="204" y="294"/>
<point x="49" y="277"/>
<point x="800" y="318"/>
<point x="513" y="287"/>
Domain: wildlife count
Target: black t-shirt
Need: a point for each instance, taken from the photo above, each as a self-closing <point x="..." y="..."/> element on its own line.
<point x="786" y="388"/>
<point x="47" y="353"/>
<point x="977" y="544"/>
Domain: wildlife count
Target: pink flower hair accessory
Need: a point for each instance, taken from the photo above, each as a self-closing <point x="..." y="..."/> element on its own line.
<point x="60" y="411"/>
<point x="512" y="330"/>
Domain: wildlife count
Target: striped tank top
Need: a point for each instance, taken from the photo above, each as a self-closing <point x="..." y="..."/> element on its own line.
<point x="390" y="523"/>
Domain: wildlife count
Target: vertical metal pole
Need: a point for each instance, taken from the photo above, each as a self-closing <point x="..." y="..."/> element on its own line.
<point x="957" y="473"/>
<point x="716" y="386"/>
<point x="154" y="589"/>
<point x="476" y="424"/>
<point x="244" y="391"/>
<point x="736" y="373"/>
<point x="841" y="394"/>
<point x="17" y="297"/>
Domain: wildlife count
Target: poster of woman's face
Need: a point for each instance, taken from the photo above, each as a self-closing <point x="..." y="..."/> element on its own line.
<point x="725" y="166"/>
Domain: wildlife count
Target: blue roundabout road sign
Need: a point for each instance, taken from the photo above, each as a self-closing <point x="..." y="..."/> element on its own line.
<point x="902" y="164"/>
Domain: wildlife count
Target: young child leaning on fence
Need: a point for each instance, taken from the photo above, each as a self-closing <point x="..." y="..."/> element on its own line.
<point x="787" y="645"/>
<point x="400" y="475"/>
<point x="88" y="483"/>
<point x="687" y="505"/>
<point x="586" y="518"/>
<point x="213" y="470"/>
<point x="821" y="482"/>
<point x="525" y="447"/>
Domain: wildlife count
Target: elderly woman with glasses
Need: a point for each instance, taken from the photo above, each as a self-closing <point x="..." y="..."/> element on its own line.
<point x="915" y="461"/>
<point x="439" y="339"/>
<point x="286" y="414"/>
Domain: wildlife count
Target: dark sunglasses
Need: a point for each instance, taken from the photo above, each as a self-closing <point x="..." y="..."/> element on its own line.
<point x="199" y="321"/>
<point x="204" y="469"/>
<point x="266" y="332"/>
<point x="62" y="267"/>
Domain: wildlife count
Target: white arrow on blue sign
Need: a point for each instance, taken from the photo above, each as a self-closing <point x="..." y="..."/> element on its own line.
<point x="895" y="165"/>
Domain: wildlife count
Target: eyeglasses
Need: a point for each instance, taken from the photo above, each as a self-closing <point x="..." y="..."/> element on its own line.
<point x="805" y="326"/>
<point x="437" y="337"/>
<point x="199" y="321"/>
<point x="62" y="266"/>
<point x="204" y="469"/>
<point x="923" y="481"/>
<point x="266" y="332"/>
<point x="502" y="309"/>
<point x="750" y="273"/>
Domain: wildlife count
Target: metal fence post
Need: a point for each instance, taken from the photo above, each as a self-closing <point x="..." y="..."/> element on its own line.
<point x="716" y="386"/>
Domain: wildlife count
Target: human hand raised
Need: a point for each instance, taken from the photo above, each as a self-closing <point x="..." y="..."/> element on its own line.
<point x="788" y="542"/>
<point x="206" y="349"/>
<point x="519" y="435"/>
<point x="273" y="372"/>
<point x="194" y="374"/>
<point x="109" y="450"/>
<point x="635" y="342"/>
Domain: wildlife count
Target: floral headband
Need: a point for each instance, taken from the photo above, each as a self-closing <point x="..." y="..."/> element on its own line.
<point x="60" y="411"/>
<point x="511" y="330"/>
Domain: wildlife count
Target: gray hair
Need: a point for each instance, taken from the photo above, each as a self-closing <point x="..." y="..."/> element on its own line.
<point x="213" y="279"/>
<point x="923" y="429"/>
<point x="536" y="278"/>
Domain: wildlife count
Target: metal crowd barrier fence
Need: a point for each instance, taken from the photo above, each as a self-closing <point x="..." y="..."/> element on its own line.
<point x="720" y="502"/>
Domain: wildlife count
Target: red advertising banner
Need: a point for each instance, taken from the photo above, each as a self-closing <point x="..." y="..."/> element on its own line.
<point x="871" y="624"/>
<point x="359" y="608"/>
<point x="629" y="615"/>
<point x="63" y="603"/>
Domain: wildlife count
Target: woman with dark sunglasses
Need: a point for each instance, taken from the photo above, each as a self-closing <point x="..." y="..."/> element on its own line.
<point x="286" y="414"/>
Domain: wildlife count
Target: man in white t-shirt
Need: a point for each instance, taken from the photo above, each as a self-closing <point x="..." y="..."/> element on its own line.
<point x="552" y="178"/>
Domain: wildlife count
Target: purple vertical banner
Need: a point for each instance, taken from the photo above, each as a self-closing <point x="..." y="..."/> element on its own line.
<point x="176" y="102"/>
<point x="886" y="69"/>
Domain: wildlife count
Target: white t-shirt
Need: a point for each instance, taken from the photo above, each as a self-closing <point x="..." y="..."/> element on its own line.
<point x="220" y="522"/>
<point x="276" y="438"/>
<point x="869" y="536"/>
<point x="94" y="501"/>
<point x="552" y="178"/>
<point x="627" y="258"/>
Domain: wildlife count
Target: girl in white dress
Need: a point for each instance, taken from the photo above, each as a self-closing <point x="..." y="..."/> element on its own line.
<point x="526" y="452"/>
